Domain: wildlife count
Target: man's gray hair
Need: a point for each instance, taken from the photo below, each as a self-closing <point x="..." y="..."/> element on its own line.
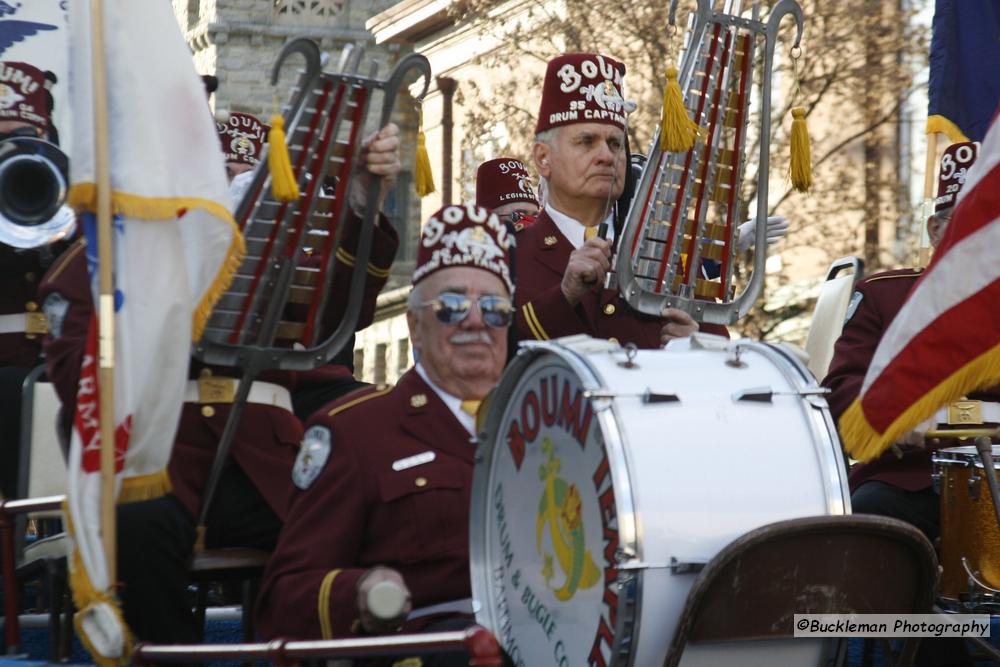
<point x="544" y="137"/>
<point x="415" y="299"/>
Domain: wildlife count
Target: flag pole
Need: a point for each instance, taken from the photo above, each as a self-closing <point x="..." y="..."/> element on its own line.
<point x="929" y="167"/>
<point x="106" y="298"/>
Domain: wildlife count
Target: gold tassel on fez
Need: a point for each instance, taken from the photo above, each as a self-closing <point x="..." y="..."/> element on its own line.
<point x="283" y="184"/>
<point x="801" y="163"/>
<point x="677" y="130"/>
<point x="423" y="176"/>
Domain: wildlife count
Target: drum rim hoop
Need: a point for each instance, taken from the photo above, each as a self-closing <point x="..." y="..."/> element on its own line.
<point x="630" y="595"/>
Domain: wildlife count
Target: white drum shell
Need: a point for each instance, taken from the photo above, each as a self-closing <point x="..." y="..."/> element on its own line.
<point x="689" y="475"/>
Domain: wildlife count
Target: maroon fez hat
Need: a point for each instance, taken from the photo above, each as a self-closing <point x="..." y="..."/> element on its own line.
<point x="502" y="181"/>
<point x="22" y="94"/>
<point x="582" y="88"/>
<point x="955" y="165"/>
<point x="243" y="137"/>
<point x="465" y="235"/>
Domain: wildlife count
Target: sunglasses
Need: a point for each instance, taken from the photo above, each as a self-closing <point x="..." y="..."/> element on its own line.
<point x="452" y="308"/>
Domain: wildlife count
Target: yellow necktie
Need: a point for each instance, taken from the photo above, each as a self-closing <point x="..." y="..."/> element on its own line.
<point x="589" y="233"/>
<point x="470" y="407"/>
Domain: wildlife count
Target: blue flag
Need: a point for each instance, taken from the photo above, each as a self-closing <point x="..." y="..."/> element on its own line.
<point x="964" y="87"/>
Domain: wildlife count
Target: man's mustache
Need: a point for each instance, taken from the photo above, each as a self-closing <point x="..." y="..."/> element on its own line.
<point x="466" y="337"/>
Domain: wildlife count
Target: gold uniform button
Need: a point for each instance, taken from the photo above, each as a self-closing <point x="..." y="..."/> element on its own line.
<point x="31" y="306"/>
<point x="421" y="481"/>
<point x="30" y="276"/>
<point x="208" y="411"/>
<point x="609" y="309"/>
<point x="205" y="373"/>
<point x="613" y="340"/>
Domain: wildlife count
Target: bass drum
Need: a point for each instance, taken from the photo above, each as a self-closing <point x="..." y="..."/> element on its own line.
<point x="608" y="477"/>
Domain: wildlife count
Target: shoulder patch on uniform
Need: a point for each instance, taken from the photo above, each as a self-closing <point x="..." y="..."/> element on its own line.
<point x="852" y="306"/>
<point x="313" y="455"/>
<point x="358" y="397"/>
<point x="55" y="307"/>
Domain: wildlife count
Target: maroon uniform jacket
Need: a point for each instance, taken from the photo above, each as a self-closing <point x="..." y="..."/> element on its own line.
<point x="881" y="296"/>
<point x="542" y="311"/>
<point x="268" y="437"/>
<point x="20" y="273"/>
<point x="361" y="512"/>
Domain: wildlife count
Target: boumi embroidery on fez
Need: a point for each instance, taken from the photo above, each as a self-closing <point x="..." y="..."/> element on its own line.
<point x="22" y="94"/>
<point x="242" y="138"/>
<point x="465" y="235"/>
<point x="583" y="88"/>
<point x="502" y="181"/>
<point x="313" y="455"/>
<point x="955" y="165"/>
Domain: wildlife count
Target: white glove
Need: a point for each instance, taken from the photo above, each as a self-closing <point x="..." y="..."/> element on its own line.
<point x="777" y="227"/>
<point x="238" y="188"/>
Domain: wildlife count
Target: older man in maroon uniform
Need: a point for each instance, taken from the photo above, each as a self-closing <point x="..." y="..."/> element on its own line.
<point x="156" y="537"/>
<point x="386" y="473"/>
<point x="561" y="259"/>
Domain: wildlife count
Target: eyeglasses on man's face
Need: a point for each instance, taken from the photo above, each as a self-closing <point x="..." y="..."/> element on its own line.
<point x="451" y="308"/>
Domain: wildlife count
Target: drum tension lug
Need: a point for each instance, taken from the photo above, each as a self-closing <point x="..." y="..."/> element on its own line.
<point x="654" y="397"/>
<point x="756" y="395"/>
<point x="974" y="486"/>
<point x="678" y="567"/>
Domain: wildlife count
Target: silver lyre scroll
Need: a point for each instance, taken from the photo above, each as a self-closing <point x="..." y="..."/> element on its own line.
<point x="272" y="316"/>
<point x="687" y="207"/>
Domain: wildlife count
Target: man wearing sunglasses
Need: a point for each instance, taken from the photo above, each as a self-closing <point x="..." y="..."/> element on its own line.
<point x="377" y="537"/>
<point x="504" y="187"/>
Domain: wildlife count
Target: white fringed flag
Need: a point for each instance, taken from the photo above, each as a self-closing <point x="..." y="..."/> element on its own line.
<point x="175" y="249"/>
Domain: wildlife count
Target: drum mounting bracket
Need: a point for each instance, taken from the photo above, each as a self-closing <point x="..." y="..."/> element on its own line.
<point x="675" y="566"/>
<point x="766" y="394"/>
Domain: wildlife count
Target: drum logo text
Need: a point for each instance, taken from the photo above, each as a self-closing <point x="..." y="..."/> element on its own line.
<point x="560" y="508"/>
<point x="566" y="408"/>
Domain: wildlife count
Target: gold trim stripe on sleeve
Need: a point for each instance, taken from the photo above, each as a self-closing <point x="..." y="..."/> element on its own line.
<point x="345" y="257"/>
<point x="537" y="330"/>
<point x="324" y="604"/>
<point x="356" y="401"/>
<point x="377" y="272"/>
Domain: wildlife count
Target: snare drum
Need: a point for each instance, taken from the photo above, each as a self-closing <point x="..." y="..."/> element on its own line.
<point x="608" y="478"/>
<point x="970" y="539"/>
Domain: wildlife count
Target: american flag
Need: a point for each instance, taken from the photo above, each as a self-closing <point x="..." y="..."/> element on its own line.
<point x="945" y="341"/>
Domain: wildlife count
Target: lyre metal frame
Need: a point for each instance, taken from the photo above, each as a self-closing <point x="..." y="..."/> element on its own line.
<point x="244" y="325"/>
<point x="658" y="269"/>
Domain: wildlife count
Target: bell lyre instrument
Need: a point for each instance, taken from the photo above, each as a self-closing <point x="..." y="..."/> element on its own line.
<point x="687" y="205"/>
<point x="282" y="309"/>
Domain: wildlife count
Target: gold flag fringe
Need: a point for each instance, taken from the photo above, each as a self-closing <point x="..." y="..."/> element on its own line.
<point x="864" y="443"/>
